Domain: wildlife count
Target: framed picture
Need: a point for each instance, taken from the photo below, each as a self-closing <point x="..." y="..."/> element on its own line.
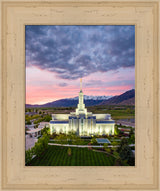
<point x="89" y="122"/>
<point x="22" y="26"/>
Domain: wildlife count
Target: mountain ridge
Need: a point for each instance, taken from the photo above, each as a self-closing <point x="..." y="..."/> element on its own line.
<point x="126" y="98"/>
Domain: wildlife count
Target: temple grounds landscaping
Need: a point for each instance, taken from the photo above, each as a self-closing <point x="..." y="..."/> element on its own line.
<point x="79" y="152"/>
<point x="118" y="152"/>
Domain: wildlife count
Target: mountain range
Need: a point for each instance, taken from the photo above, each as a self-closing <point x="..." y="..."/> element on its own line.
<point x="127" y="98"/>
<point x="86" y="97"/>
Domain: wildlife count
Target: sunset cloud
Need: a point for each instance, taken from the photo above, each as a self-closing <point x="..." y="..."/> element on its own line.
<point x="77" y="51"/>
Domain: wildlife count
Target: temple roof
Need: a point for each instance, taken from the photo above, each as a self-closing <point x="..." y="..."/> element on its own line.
<point x="105" y="121"/>
<point x="54" y="122"/>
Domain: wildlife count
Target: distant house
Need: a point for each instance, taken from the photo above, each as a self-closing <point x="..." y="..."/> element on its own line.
<point x="30" y="113"/>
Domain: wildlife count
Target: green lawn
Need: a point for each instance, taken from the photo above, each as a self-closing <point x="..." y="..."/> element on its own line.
<point x="58" y="156"/>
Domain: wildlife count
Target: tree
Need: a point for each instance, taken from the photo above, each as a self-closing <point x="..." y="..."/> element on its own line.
<point x="123" y="142"/>
<point x="28" y="155"/>
<point x="125" y="152"/>
<point x="93" y="141"/>
<point x="41" y="145"/>
<point x="44" y="141"/>
<point x="131" y="132"/>
<point x="118" y="160"/>
<point x="114" y="144"/>
<point x="28" y="122"/>
<point x="46" y="130"/>
<point x="128" y="110"/>
<point x="116" y="130"/>
<point x="69" y="151"/>
<point x="132" y="139"/>
<point x="47" y="118"/>
<point x="60" y="138"/>
<point x="106" y="148"/>
<point x="38" y="149"/>
<point x="54" y="135"/>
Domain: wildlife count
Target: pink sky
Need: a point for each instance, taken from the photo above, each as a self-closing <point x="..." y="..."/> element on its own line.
<point x="43" y="86"/>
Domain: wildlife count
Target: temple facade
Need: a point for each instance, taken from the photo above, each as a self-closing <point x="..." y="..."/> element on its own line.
<point x="82" y="122"/>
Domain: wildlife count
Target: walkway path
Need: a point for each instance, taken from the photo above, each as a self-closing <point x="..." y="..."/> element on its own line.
<point x="30" y="142"/>
<point x="84" y="146"/>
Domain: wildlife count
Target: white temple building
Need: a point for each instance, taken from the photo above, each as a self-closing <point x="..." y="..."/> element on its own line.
<point x="81" y="122"/>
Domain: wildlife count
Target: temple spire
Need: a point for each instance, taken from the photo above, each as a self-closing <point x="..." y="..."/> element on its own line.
<point x="81" y="106"/>
<point x="81" y="84"/>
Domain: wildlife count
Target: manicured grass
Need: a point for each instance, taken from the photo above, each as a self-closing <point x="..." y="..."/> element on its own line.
<point x="58" y="156"/>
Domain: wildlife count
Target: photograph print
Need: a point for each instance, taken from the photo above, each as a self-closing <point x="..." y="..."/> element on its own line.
<point x="80" y="95"/>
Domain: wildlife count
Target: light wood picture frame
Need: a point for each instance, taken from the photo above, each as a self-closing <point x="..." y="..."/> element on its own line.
<point x="145" y="16"/>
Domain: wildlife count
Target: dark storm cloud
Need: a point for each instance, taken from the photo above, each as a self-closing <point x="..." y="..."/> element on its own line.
<point x="77" y="51"/>
<point x="96" y="83"/>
